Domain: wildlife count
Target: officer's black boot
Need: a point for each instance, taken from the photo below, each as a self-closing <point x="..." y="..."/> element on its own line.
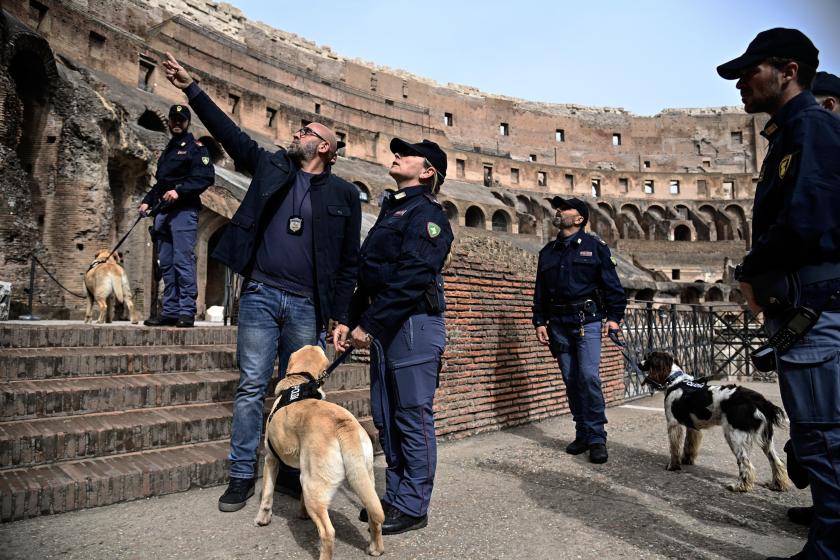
<point x="801" y="515"/>
<point x="598" y="453"/>
<point x="577" y="447"/>
<point x="396" y="522"/>
<point x="161" y="322"/>
<point x="185" y="322"/>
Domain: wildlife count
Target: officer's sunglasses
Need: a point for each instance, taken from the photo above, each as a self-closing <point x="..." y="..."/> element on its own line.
<point x="306" y="131"/>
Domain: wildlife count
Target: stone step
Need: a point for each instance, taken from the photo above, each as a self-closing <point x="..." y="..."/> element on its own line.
<point x="17" y="335"/>
<point x="46" y="363"/>
<point x="42" y="398"/>
<point x="75" y="485"/>
<point x="26" y="443"/>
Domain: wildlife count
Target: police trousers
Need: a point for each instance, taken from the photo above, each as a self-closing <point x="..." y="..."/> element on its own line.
<point x="175" y="232"/>
<point x="579" y="358"/>
<point x="809" y="382"/>
<point x="404" y="370"/>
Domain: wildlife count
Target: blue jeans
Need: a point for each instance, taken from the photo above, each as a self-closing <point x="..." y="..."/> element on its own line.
<point x="404" y="373"/>
<point x="809" y="381"/>
<point x="579" y="358"/>
<point x="176" y="232"/>
<point x="273" y="323"/>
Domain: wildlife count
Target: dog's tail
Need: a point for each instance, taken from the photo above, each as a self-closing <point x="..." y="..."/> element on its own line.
<point x="775" y="417"/>
<point x="121" y="287"/>
<point x="359" y="473"/>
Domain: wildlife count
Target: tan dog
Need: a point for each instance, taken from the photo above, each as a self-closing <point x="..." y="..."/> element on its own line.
<point x="327" y="444"/>
<point x="104" y="278"/>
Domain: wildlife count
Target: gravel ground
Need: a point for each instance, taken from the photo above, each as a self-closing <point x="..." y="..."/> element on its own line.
<point x="498" y="495"/>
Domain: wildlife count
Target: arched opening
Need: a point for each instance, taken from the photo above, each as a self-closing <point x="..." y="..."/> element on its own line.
<point x="451" y="211"/>
<point x="653" y="224"/>
<point x="645" y="294"/>
<point x="735" y="296"/>
<point x="151" y="121"/>
<point x="217" y="154"/>
<point x="501" y="221"/>
<point x="364" y="192"/>
<point x="214" y="291"/>
<point x="523" y="204"/>
<point x="714" y="294"/>
<point x="682" y="233"/>
<point x="474" y="217"/>
<point x="690" y="295"/>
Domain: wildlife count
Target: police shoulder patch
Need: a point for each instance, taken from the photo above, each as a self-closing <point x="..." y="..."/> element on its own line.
<point x="205" y="160"/>
<point x="615" y="262"/>
<point x="433" y="229"/>
<point x="784" y="165"/>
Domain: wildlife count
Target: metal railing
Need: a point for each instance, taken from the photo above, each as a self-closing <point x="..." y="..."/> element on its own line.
<point x="706" y="340"/>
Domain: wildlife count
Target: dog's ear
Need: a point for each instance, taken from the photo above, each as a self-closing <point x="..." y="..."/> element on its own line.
<point x="293" y="361"/>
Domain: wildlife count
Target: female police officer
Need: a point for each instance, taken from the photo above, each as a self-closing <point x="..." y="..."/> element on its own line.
<point x="397" y="311"/>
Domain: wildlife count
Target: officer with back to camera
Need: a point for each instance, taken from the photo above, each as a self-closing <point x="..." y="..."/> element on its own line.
<point x="577" y="287"/>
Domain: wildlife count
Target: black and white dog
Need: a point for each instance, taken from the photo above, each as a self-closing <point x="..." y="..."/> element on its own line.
<point x="744" y="415"/>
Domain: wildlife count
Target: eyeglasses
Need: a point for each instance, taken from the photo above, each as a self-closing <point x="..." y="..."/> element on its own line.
<point x="306" y="131"/>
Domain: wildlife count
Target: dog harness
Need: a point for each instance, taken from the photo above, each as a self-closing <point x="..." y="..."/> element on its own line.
<point x="295" y="393"/>
<point x="688" y="385"/>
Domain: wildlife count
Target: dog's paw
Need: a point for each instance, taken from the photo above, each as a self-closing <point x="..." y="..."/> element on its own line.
<point x="372" y="550"/>
<point x="777" y="486"/>
<point x="672" y="467"/>
<point x="262" y="519"/>
<point x="686" y="461"/>
<point x="738" y="487"/>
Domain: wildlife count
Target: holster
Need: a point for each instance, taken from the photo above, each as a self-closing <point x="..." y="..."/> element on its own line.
<point x="774" y="291"/>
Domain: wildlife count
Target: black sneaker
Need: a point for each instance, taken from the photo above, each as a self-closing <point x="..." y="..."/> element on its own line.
<point x="161" y="322"/>
<point x="185" y="322"/>
<point x="801" y="515"/>
<point x="598" y="453"/>
<point x="577" y="447"/>
<point x="237" y="494"/>
<point x="397" y="522"/>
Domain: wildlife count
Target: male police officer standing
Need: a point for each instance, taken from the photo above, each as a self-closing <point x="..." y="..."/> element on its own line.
<point x="577" y="286"/>
<point x="183" y="172"/>
<point x="398" y="307"/>
<point x="826" y="90"/>
<point x="795" y="256"/>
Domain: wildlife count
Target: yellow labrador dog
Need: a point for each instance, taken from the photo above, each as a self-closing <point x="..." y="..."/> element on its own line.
<point x="104" y="278"/>
<point x="326" y="443"/>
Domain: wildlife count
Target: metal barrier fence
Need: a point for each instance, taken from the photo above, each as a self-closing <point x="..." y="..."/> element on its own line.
<point x="706" y="340"/>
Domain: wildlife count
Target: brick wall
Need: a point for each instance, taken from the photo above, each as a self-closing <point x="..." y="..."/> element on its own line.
<point x="495" y="373"/>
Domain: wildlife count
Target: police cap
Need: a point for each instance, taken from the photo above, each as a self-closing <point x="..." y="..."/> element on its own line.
<point x="427" y="149"/>
<point x="558" y="202"/>
<point x="180" y="111"/>
<point x="777" y="42"/>
<point x="826" y="84"/>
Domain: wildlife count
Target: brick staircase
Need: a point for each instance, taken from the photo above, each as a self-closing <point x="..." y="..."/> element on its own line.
<point x="95" y="415"/>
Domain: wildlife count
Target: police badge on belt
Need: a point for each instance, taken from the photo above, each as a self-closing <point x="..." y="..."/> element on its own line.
<point x="295" y="225"/>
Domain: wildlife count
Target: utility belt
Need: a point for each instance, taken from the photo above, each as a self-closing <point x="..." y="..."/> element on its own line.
<point x="814" y="286"/>
<point x="589" y="307"/>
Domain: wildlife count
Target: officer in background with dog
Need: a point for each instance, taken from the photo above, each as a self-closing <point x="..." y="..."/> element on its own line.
<point x="397" y="311"/>
<point x="826" y="90"/>
<point x="184" y="171"/>
<point x="577" y="287"/>
<point x="794" y="262"/>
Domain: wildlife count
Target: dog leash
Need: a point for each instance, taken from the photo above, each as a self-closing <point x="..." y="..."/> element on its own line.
<point x="151" y="213"/>
<point x="332" y="367"/>
<point x="634" y="365"/>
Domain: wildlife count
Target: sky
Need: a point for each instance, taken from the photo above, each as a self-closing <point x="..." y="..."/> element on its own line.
<point x="642" y="55"/>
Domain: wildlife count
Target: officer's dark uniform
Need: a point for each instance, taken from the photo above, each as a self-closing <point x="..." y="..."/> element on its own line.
<point x="576" y="288"/>
<point x="185" y="167"/>
<point x="796" y="235"/>
<point x="399" y="302"/>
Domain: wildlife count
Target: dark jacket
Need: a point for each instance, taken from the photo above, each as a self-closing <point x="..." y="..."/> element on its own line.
<point x="336" y="211"/>
<point x="185" y="167"/>
<point x="401" y="263"/>
<point x="574" y="271"/>
<point x="796" y="215"/>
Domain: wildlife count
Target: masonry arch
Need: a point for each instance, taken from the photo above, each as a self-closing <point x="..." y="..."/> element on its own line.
<point x="690" y="294"/>
<point x="151" y="120"/>
<point x="708" y="215"/>
<point x="474" y="217"/>
<point x="501" y="221"/>
<point x="714" y="294"/>
<point x="451" y="211"/>
<point x="738" y="221"/>
<point x="682" y="233"/>
<point x="210" y="272"/>
<point x="653" y="223"/>
<point x="646" y="294"/>
<point x="629" y="222"/>
<point x="523" y="204"/>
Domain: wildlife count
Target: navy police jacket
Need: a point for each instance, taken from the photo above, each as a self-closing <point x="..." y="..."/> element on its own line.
<point x="573" y="270"/>
<point x="336" y="211"/>
<point x="401" y="262"/>
<point x="796" y="214"/>
<point x="185" y="167"/>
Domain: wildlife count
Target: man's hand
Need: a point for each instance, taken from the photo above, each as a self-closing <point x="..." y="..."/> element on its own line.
<point x="339" y="337"/>
<point x="170" y="196"/>
<point x="143" y="209"/>
<point x="175" y="73"/>
<point x="611" y="326"/>
<point x="359" y="338"/>
<point x="542" y="335"/>
<point x="746" y="289"/>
